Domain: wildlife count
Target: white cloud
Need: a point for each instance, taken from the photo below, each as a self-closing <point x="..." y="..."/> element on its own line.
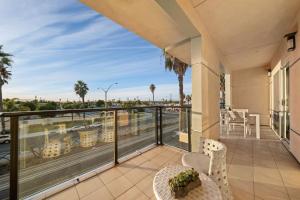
<point x="53" y="49"/>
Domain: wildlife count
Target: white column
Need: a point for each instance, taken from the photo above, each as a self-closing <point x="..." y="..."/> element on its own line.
<point x="196" y="92"/>
<point x="227" y="90"/>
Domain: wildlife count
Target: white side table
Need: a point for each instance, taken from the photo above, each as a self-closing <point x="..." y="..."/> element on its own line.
<point x="257" y="124"/>
<point x="208" y="190"/>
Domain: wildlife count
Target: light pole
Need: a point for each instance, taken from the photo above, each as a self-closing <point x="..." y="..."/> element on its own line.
<point x="106" y="136"/>
<point x="106" y="91"/>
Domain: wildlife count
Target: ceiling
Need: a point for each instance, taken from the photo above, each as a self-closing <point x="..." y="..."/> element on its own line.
<point x="247" y="32"/>
<point x="149" y="19"/>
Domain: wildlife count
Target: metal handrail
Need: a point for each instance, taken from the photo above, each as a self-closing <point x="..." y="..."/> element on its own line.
<point x="47" y="112"/>
<point x="14" y="132"/>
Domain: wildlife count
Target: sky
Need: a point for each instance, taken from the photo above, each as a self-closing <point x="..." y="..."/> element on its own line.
<point x="57" y="42"/>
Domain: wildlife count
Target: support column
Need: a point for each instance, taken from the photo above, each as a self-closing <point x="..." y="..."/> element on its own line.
<point x="196" y="92"/>
<point x="227" y="91"/>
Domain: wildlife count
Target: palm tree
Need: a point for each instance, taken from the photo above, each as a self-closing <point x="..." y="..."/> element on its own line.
<point x="152" y="89"/>
<point x="81" y="89"/>
<point x="5" y="75"/>
<point x="174" y="64"/>
<point x="188" y="98"/>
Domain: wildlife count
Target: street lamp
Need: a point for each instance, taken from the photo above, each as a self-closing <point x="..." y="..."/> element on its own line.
<point x="106" y="91"/>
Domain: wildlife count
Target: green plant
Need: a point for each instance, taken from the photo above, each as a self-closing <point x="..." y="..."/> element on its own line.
<point x="183" y="179"/>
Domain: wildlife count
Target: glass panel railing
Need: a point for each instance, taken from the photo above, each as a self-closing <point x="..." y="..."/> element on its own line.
<point x="136" y="130"/>
<point x="57" y="146"/>
<point x="4" y="157"/>
<point x="53" y="149"/>
<point x="175" y="127"/>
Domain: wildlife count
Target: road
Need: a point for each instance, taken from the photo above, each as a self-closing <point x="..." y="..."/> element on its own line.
<point x="55" y="171"/>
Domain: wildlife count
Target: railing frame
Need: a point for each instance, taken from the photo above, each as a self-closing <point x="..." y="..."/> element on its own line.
<point x="14" y="132"/>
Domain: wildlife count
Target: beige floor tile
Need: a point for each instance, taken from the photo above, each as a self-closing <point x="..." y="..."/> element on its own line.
<point x="291" y="178"/>
<point x="241" y="172"/>
<point x="110" y="175"/>
<point x="88" y="186"/>
<point x="241" y="189"/>
<point x="133" y="194"/>
<point x="135" y="175"/>
<point x="242" y="160"/>
<point x="126" y="167"/>
<point x="265" y="163"/>
<point x="146" y="185"/>
<point x="149" y="167"/>
<point x="159" y="160"/>
<point x="70" y="194"/>
<point x="267" y="176"/>
<point x="294" y="192"/>
<point x="100" y="194"/>
<point x="270" y="192"/>
<point x="137" y="160"/>
<point x="150" y="154"/>
<point x="119" y="186"/>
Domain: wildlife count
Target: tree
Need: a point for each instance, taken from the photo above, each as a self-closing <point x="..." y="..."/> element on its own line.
<point x="81" y="89"/>
<point x="5" y="75"/>
<point x="100" y="103"/>
<point x="188" y="99"/>
<point x="152" y="89"/>
<point x="174" y="64"/>
<point x="9" y="105"/>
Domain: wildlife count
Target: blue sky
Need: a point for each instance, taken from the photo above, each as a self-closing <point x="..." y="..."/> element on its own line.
<point x="57" y="42"/>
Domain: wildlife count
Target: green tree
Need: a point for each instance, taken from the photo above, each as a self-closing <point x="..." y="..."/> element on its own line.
<point x="10" y="105"/>
<point x="174" y="64"/>
<point x="51" y="105"/>
<point x="100" y="103"/>
<point x="5" y="75"/>
<point x="152" y="89"/>
<point x="29" y="104"/>
<point x="81" y="89"/>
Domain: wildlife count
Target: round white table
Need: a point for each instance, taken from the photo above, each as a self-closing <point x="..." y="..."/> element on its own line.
<point x="207" y="191"/>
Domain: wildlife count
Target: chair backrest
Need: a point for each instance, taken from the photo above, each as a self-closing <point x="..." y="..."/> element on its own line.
<point x="217" y="169"/>
<point x="231" y="114"/>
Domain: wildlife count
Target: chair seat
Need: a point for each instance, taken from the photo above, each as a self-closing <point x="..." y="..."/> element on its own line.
<point x="198" y="161"/>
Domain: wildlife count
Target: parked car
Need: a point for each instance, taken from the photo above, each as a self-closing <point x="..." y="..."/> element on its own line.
<point x="4" y="139"/>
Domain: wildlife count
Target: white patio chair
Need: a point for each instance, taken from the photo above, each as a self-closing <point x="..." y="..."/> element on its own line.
<point x="238" y="119"/>
<point x="211" y="160"/>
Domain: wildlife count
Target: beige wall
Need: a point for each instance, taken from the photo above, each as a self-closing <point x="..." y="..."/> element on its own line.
<point x="250" y="90"/>
<point x="205" y="80"/>
<point x="292" y="59"/>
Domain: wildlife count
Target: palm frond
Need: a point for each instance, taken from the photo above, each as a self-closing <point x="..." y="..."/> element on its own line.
<point x="174" y="64"/>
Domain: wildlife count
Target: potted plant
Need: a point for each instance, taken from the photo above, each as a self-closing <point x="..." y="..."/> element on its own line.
<point x="184" y="182"/>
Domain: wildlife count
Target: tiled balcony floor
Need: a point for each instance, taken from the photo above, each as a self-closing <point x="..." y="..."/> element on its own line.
<point x="257" y="170"/>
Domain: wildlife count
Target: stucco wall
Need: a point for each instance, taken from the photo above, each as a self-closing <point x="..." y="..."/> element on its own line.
<point x="292" y="59"/>
<point x="250" y="90"/>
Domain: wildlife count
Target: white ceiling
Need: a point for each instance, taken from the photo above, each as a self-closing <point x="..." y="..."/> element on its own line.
<point x="248" y="32"/>
<point x="147" y="19"/>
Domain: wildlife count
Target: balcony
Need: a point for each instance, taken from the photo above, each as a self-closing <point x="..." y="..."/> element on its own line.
<point x="52" y="150"/>
<point x="258" y="169"/>
<point x="115" y="153"/>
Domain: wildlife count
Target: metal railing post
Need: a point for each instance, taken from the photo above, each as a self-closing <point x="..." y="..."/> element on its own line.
<point x="14" y="146"/>
<point x="160" y="126"/>
<point x="189" y="130"/>
<point x="116" y="137"/>
<point x="156" y="126"/>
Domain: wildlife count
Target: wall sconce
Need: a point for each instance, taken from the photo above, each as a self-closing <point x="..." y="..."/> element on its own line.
<point x="291" y="41"/>
<point x="269" y="72"/>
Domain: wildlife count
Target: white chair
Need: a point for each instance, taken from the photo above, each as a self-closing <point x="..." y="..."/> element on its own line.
<point x="211" y="160"/>
<point x="238" y="119"/>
